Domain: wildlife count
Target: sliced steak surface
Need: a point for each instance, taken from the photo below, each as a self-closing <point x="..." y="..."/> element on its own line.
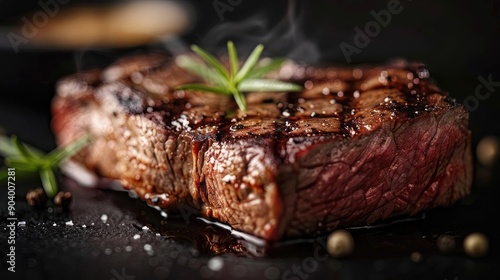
<point x="357" y="146"/>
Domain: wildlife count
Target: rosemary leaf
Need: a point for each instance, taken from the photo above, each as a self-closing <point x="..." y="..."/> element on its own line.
<point x="23" y="150"/>
<point x="56" y="156"/>
<point x="22" y="164"/>
<point x="234" y="82"/>
<point x="249" y="63"/>
<point x="20" y="174"/>
<point x="240" y="100"/>
<point x="211" y="60"/>
<point x="6" y="148"/>
<point x="201" y="70"/>
<point x="262" y="85"/>
<point x="233" y="59"/>
<point x="202" y="87"/>
<point x="263" y="68"/>
<point x="29" y="160"/>
<point x="49" y="181"/>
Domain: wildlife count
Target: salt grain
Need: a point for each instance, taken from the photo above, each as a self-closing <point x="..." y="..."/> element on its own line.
<point x="356" y="94"/>
<point x="215" y="263"/>
<point x="104" y="218"/>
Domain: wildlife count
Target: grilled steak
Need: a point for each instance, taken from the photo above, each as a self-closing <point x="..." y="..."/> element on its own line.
<point x="357" y="146"/>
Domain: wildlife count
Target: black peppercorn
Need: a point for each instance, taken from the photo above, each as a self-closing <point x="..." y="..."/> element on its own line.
<point x="63" y="199"/>
<point x="36" y="197"/>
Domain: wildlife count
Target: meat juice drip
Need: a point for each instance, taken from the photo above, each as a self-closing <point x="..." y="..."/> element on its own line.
<point x="212" y="237"/>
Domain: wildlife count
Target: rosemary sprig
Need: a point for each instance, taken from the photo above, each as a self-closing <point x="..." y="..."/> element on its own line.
<point x="31" y="160"/>
<point x="236" y="80"/>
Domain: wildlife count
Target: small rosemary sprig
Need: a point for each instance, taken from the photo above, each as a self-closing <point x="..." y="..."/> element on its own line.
<point x="31" y="160"/>
<point x="237" y="80"/>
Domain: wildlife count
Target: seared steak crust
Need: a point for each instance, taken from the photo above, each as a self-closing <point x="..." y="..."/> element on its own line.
<point x="357" y="146"/>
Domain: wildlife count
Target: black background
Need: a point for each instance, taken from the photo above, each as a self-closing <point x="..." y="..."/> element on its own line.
<point x="458" y="40"/>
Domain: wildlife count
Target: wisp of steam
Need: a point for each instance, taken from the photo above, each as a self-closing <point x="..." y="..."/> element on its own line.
<point x="284" y="39"/>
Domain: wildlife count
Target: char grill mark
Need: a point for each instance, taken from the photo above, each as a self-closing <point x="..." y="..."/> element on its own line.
<point x="355" y="147"/>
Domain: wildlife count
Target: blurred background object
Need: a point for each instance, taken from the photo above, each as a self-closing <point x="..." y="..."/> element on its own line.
<point x="127" y="24"/>
<point x="104" y="25"/>
<point x="488" y="150"/>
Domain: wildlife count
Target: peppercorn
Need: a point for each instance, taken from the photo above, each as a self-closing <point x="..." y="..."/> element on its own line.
<point x="476" y="245"/>
<point x="416" y="257"/>
<point x="446" y="244"/>
<point x="63" y="199"/>
<point x="340" y="243"/>
<point x="36" y="197"/>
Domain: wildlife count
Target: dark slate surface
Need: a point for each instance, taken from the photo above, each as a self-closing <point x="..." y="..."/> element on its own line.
<point x="180" y="247"/>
